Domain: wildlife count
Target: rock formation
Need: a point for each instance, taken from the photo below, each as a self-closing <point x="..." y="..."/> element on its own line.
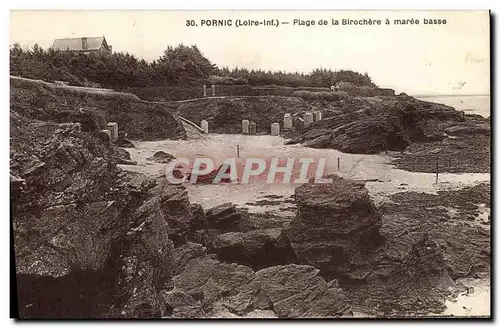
<point x="257" y="249"/>
<point x="141" y="120"/>
<point x="369" y="125"/>
<point x="336" y="228"/>
<point x="90" y="240"/>
<point x="205" y="287"/>
<point x="161" y="157"/>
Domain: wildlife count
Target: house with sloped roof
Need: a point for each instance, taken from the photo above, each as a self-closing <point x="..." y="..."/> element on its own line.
<point x="83" y="45"/>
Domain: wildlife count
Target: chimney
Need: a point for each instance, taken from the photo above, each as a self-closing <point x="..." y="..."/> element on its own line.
<point x="84" y="44"/>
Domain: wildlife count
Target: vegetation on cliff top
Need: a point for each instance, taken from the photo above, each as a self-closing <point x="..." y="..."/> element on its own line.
<point x="180" y="65"/>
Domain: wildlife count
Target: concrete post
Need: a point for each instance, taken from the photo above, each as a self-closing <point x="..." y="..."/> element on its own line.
<point x="308" y="118"/>
<point x="318" y="115"/>
<point x="204" y="90"/>
<point x="252" y="128"/>
<point x="287" y="121"/>
<point x="113" y="128"/>
<point x="204" y="126"/>
<point x="275" y="129"/>
<point x="107" y="132"/>
<point x="213" y="90"/>
<point x="244" y="126"/>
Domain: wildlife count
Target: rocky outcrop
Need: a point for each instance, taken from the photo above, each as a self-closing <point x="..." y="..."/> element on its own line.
<point x="124" y="142"/>
<point x="372" y="124"/>
<point x="206" y="287"/>
<point x="336" y="228"/>
<point x="468" y="129"/>
<point x="93" y="107"/>
<point x="257" y="249"/>
<point x="224" y="115"/>
<point x="90" y="240"/>
<point x="161" y="157"/>
<point x="224" y="217"/>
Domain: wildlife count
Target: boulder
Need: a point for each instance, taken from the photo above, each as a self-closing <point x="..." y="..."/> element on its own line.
<point x="161" y="157"/>
<point x="468" y="129"/>
<point x="124" y="142"/>
<point x="336" y="228"/>
<point x="123" y="156"/>
<point x="224" y="217"/>
<point x="174" y="202"/>
<point x="257" y="249"/>
<point x="206" y="287"/>
<point x="322" y="141"/>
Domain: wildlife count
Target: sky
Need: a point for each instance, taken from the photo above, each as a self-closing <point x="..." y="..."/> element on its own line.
<point x="423" y="59"/>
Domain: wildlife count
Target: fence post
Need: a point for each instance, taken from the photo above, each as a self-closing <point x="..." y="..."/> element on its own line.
<point x="437" y="169"/>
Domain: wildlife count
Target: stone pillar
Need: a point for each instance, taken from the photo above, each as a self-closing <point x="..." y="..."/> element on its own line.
<point x="308" y="118"/>
<point x="204" y="126"/>
<point x="275" y="129"/>
<point x="113" y="128"/>
<point x="318" y="115"/>
<point x="213" y="90"/>
<point x="287" y="121"/>
<point x="252" y="128"/>
<point x="244" y="126"/>
<point x="107" y="132"/>
<point x="204" y="90"/>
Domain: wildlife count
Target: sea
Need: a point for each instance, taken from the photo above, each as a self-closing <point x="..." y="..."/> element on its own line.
<point x="469" y="104"/>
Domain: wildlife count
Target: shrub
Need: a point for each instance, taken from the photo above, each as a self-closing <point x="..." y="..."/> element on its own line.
<point x="320" y="95"/>
<point x="226" y="80"/>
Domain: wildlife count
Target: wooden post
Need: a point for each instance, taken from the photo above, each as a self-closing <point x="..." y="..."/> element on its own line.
<point x="437" y="169"/>
<point x="338" y="163"/>
<point x="238" y="150"/>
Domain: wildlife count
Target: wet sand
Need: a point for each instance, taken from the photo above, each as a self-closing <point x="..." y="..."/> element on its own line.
<point x="383" y="178"/>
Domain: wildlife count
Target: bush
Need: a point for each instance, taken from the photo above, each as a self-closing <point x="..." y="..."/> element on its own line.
<point x="226" y="80"/>
<point x="321" y="95"/>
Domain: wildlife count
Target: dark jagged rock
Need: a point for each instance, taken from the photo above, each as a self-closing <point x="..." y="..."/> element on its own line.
<point x="174" y="202"/>
<point x="468" y="129"/>
<point x="124" y="142"/>
<point x="90" y="239"/>
<point x="161" y="157"/>
<point x="292" y="291"/>
<point x="336" y="227"/>
<point x="224" y="217"/>
<point x="373" y="124"/>
<point x="199" y="217"/>
<point x="91" y="120"/>
<point x="419" y="284"/>
<point x="185" y="253"/>
<point x="124" y="157"/>
<point x="257" y="249"/>
<point x="204" y="286"/>
<point x="147" y="264"/>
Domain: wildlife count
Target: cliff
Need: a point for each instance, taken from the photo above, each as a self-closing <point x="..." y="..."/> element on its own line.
<point x="49" y="102"/>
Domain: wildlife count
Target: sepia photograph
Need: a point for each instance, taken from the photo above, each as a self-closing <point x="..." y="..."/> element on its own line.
<point x="263" y="164"/>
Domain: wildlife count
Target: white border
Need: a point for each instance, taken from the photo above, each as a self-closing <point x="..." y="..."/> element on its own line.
<point x="192" y="5"/>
